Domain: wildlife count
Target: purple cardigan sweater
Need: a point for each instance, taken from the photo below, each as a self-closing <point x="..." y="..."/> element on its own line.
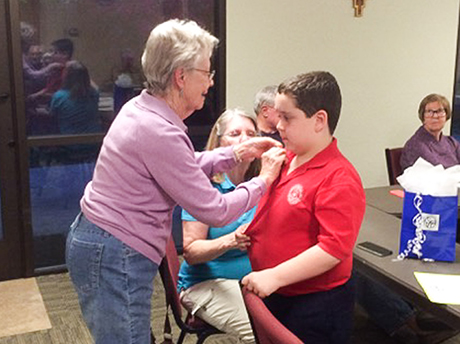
<point x="146" y="166"/>
<point x="446" y="151"/>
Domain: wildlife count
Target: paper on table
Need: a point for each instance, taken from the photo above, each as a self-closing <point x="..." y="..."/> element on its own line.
<point x="440" y="288"/>
<point x="397" y="193"/>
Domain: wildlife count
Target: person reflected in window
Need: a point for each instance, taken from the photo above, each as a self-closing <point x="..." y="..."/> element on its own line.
<point x="35" y="80"/>
<point x="215" y="257"/>
<point x="267" y="116"/>
<point x="429" y="142"/>
<point x="75" y="105"/>
<point x="30" y="71"/>
<point x="62" y="52"/>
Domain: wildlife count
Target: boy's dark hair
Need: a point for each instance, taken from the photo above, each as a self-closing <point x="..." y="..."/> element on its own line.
<point x="315" y="91"/>
<point x="64" y="45"/>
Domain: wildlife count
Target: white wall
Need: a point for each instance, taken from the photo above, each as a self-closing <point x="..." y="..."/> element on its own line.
<point x="385" y="63"/>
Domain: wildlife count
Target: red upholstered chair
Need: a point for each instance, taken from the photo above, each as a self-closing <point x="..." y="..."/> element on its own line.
<point x="169" y="271"/>
<point x="267" y="329"/>
<point x="393" y="156"/>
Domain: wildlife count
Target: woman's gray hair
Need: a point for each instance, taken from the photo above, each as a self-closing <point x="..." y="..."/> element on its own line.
<point x="171" y="45"/>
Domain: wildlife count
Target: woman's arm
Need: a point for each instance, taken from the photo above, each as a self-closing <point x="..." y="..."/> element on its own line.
<point x="225" y="158"/>
<point x="198" y="249"/>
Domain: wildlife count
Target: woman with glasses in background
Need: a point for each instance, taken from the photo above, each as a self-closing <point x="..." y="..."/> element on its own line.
<point x="215" y="257"/>
<point x="428" y="142"/>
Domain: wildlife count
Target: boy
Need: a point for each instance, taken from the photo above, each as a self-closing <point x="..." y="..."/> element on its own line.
<point x="305" y="228"/>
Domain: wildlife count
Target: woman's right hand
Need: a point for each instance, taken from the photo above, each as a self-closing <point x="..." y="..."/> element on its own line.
<point x="272" y="160"/>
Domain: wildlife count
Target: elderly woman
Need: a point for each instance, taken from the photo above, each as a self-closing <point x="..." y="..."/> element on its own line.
<point x="428" y="142"/>
<point x="215" y="257"/>
<point x="146" y="166"/>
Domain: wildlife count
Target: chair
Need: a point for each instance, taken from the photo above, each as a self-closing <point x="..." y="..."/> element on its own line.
<point x="267" y="329"/>
<point x="169" y="270"/>
<point x="393" y="156"/>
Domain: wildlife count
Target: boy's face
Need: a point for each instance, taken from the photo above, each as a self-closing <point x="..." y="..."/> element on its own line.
<point x="296" y="130"/>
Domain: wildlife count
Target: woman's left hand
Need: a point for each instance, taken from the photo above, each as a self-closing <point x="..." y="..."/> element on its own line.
<point x="254" y="148"/>
<point x="241" y="240"/>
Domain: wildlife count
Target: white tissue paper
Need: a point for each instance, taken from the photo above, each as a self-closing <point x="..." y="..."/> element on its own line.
<point x="124" y="80"/>
<point x="426" y="179"/>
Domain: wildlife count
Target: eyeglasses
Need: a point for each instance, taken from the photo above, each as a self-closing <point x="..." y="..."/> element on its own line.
<point x="209" y="73"/>
<point x="438" y="113"/>
<point x="236" y="133"/>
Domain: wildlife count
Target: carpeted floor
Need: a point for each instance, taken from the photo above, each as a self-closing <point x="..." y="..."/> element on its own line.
<point x="68" y="326"/>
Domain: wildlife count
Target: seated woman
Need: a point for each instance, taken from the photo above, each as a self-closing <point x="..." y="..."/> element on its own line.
<point x="216" y="258"/>
<point x="428" y="142"/>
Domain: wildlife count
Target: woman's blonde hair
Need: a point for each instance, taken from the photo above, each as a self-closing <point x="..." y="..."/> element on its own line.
<point x="171" y="45"/>
<point x="218" y="130"/>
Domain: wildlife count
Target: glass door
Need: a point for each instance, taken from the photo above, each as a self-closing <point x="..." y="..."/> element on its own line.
<point x="77" y="62"/>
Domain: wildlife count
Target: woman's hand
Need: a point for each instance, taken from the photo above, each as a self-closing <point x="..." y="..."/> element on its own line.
<point x="254" y="148"/>
<point x="241" y="240"/>
<point x="272" y="160"/>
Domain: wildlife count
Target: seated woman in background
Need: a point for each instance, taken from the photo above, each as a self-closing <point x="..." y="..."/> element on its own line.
<point x="216" y="258"/>
<point x="428" y="142"/>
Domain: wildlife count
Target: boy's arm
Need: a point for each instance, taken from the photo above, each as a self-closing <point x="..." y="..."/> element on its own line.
<point x="310" y="263"/>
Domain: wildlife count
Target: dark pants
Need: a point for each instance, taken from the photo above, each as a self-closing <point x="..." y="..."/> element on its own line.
<point x="323" y="317"/>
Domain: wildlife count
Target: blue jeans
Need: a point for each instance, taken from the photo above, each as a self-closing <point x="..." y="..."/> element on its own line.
<point x="114" y="284"/>
<point x="320" y="318"/>
<point x="384" y="307"/>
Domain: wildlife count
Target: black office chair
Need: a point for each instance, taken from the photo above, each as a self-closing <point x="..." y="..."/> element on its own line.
<point x="393" y="156"/>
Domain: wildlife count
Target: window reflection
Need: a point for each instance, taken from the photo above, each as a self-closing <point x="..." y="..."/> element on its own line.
<point x="81" y="64"/>
<point x="108" y="38"/>
<point x="58" y="177"/>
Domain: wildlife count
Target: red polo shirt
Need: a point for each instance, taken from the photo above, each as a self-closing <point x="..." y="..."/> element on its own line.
<point x="321" y="202"/>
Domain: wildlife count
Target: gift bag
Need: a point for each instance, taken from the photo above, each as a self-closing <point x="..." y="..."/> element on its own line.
<point x="428" y="227"/>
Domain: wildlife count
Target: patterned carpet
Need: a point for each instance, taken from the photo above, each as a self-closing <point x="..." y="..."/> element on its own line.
<point x="68" y="326"/>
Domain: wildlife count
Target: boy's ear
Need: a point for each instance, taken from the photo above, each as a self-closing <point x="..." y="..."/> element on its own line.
<point x="321" y="121"/>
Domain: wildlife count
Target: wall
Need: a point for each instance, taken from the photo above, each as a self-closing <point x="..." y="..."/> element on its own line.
<point x="385" y="62"/>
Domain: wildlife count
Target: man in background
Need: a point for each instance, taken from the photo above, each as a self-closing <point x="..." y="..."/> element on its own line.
<point x="267" y="116"/>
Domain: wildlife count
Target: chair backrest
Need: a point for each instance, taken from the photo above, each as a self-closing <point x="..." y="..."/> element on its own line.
<point x="169" y="272"/>
<point x="267" y="329"/>
<point x="393" y="156"/>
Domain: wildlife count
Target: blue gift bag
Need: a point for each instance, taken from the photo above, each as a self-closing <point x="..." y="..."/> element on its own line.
<point x="428" y="227"/>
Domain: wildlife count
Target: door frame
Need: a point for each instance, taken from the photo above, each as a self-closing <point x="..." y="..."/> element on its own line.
<point x="16" y="248"/>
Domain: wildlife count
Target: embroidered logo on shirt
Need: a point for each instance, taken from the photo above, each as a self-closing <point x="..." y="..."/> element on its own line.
<point x="295" y="194"/>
